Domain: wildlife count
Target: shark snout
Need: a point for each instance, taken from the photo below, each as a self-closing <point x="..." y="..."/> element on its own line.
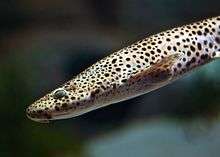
<point x="38" y="115"/>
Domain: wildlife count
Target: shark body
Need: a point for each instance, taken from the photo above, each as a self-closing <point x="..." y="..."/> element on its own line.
<point x="132" y="71"/>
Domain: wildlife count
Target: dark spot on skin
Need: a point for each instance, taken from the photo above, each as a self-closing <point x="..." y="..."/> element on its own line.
<point x="80" y="91"/>
<point x="176" y="36"/>
<point x="199" y="46"/>
<point x="199" y="32"/>
<point x="206" y="30"/>
<point x="73" y="98"/>
<point x="151" y="63"/>
<point x="213" y="54"/>
<point x="92" y="94"/>
<point x="103" y="87"/>
<point x="128" y="65"/>
<point x="128" y="59"/>
<point x="217" y="39"/>
<point x="179" y="65"/>
<point x="188" y="64"/>
<point x="141" y="57"/>
<point x="138" y="66"/>
<point x="97" y="91"/>
<point x="114" y="61"/>
<point x="118" y="69"/>
<point x="124" y="80"/>
<point x="147" y="54"/>
<point x="106" y="74"/>
<point x="64" y="105"/>
<point x="192" y="48"/>
<point x="152" y="52"/>
<point x="57" y="108"/>
<point x="188" y="53"/>
<point x="193" y="60"/>
<point x="158" y="50"/>
<point x="114" y="86"/>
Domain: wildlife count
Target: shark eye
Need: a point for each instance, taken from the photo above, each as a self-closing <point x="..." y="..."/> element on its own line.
<point x="59" y="93"/>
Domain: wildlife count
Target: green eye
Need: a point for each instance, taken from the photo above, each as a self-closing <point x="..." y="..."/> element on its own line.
<point x="59" y="93"/>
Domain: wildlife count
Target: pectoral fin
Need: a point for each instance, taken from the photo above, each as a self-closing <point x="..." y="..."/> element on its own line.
<point x="159" y="72"/>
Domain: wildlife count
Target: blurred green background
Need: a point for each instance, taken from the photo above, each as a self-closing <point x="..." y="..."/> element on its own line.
<point x="44" y="43"/>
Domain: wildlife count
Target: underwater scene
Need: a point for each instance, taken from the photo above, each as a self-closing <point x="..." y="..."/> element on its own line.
<point x="159" y="97"/>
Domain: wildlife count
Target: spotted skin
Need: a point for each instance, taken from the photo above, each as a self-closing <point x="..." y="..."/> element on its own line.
<point x="132" y="71"/>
